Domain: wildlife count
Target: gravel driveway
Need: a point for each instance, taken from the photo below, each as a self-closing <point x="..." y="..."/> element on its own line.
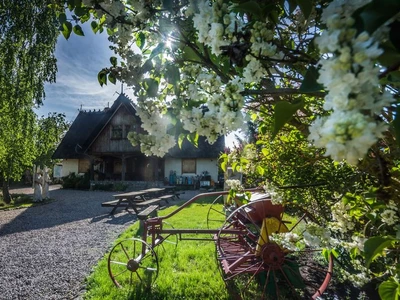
<point x="47" y="251"/>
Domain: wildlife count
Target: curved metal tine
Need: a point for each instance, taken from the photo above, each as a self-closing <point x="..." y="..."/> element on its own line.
<point x="125" y="251"/>
<point x="256" y="226"/>
<point x="244" y="271"/>
<point x="266" y="284"/>
<point x="214" y="202"/>
<point x="276" y="285"/>
<point x="290" y="284"/>
<point x="148" y="254"/>
<point x="118" y="263"/>
<point x="298" y="222"/>
<point x="254" y="274"/>
<point x="120" y="273"/>
<point x="140" y="278"/>
<point x="148" y="269"/>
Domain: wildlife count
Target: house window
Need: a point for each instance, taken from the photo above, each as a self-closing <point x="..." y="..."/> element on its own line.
<point x="83" y="166"/>
<point x="189" y="166"/>
<point x="116" y="132"/>
<point x="127" y="128"/>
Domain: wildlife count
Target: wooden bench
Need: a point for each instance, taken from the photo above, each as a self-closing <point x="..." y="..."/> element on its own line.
<point x="147" y="212"/>
<point x="113" y="203"/>
<point x="166" y="197"/>
<point x="178" y="193"/>
<point x="148" y="202"/>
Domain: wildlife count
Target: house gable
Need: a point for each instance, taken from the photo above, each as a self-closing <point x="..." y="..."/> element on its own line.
<point x="112" y="138"/>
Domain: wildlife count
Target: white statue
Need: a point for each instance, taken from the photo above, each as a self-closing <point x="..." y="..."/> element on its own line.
<point x="37" y="180"/>
<point x="45" y="183"/>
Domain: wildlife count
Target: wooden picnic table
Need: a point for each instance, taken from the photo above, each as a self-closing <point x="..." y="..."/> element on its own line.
<point x="135" y="199"/>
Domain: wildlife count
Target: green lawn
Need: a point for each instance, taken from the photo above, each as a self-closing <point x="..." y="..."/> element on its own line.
<point x="187" y="270"/>
<point x="20" y="201"/>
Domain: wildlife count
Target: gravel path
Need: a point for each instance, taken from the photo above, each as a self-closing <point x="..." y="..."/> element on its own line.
<point x="47" y="251"/>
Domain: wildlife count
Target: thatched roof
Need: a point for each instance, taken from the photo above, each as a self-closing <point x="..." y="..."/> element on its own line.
<point x="204" y="149"/>
<point x="86" y="127"/>
<point x="88" y="124"/>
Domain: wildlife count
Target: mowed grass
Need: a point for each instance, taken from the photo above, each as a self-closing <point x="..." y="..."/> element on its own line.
<point x="187" y="270"/>
<point x="20" y="201"/>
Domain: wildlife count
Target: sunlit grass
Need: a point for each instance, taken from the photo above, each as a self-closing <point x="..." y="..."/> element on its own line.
<point x="20" y="201"/>
<point x="187" y="270"/>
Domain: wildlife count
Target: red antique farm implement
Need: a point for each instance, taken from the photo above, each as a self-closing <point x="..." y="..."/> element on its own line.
<point x="253" y="264"/>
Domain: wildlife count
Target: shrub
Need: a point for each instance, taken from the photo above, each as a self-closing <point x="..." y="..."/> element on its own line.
<point x="119" y="187"/>
<point x="103" y="187"/>
<point x="72" y="181"/>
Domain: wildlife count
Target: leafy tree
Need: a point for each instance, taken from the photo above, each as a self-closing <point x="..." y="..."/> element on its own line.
<point x="28" y="36"/>
<point x="50" y="131"/>
<point x="320" y="79"/>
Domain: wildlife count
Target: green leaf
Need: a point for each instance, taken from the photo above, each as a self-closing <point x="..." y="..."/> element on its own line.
<point x="78" y="30"/>
<point x="102" y="77"/>
<point x="396" y="125"/>
<point x="66" y="29"/>
<point x="172" y="75"/>
<point x="260" y="170"/>
<point x="244" y="160"/>
<point x="394" y="34"/>
<point x="151" y="87"/>
<point x="283" y="113"/>
<point x="62" y="18"/>
<point x="110" y="31"/>
<point x="249" y="7"/>
<point x="292" y="6"/>
<point x="310" y="83"/>
<point x="193" y="138"/>
<point x="306" y="7"/>
<point x="223" y="166"/>
<point x="190" y="54"/>
<point x="265" y="151"/>
<point x="147" y="66"/>
<point x="71" y="4"/>
<point x="389" y="290"/>
<point x="80" y="11"/>
<point x="167" y="4"/>
<point x="140" y="40"/>
<point x="157" y="50"/>
<point x="375" y="246"/>
<point x="112" y="78"/>
<point x="292" y="271"/>
<point x="181" y="137"/>
<point x="113" y="61"/>
<point x="373" y="15"/>
<point x="95" y="26"/>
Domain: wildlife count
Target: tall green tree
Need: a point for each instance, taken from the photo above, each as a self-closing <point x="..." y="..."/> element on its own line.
<point x="49" y="132"/>
<point x="28" y="35"/>
<point x="320" y="78"/>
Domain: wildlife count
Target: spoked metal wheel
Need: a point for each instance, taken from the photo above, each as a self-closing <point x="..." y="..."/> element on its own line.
<point x="261" y="267"/>
<point x="218" y="212"/>
<point x="169" y="240"/>
<point x="132" y="262"/>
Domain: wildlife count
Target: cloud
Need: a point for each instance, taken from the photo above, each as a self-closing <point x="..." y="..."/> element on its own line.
<point x="79" y="60"/>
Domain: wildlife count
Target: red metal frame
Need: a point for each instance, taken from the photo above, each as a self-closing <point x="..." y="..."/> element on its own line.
<point x="243" y="261"/>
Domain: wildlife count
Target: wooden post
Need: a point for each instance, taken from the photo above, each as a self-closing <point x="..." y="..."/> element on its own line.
<point x="123" y="161"/>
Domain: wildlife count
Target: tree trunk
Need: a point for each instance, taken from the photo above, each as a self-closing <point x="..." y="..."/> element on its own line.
<point x="6" y="191"/>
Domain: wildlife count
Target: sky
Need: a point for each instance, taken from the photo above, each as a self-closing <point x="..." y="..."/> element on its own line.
<point x="79" y="59"/>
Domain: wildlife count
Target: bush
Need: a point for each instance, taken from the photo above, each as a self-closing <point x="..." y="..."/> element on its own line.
<point x="103" y="187"/>
<point x="119" y="187"/>
<point x="72" y="181"/>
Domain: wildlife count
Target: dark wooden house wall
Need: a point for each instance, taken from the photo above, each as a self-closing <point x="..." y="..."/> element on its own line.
<point x="105" y="143"/>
